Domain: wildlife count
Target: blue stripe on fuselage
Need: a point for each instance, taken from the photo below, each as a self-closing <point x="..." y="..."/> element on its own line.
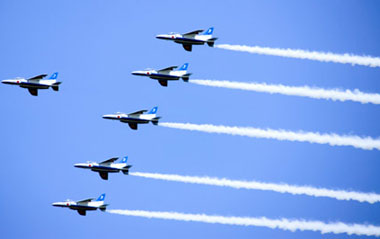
<point x="76" y="207"/>
<point x="189" y="40"/>
<point x="104" y="169"/>
<point x="134" y="120"/>
<point x="34" y="85"/>
<point x="163" y="77"/>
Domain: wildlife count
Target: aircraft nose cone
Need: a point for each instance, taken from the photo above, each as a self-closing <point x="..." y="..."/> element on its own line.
<point x="139" y="73"/>
<point x="55" y="204"/>
<point x="110" y="117"/>
<point x="162" y="36"/>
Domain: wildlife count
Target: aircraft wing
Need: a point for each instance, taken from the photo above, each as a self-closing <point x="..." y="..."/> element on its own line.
<point x="39" y="77"/>
<point x="85" y="200"/>
<point x="170" y="68"/>
<point x="108" y="161"/>
<point x="138" y="112"/>
<point x="190" y="34"/>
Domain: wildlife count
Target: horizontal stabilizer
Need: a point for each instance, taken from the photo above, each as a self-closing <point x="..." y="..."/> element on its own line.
<point x="185" y="77"/>
<point x="125" y="170"/>
<point x="103" y="207"/>
<point x="55" y="87"/>
<point x="211" y="41"/>
<point x="155" y="120"/>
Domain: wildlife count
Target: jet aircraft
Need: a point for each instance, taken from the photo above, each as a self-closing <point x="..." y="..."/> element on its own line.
<point x="84" y="205"/>
<point x="198" y="37"/>
<point x="135" y="118"/>
<point x="35" y="83"/>
<point x="166" y="74"/>
<point x="105" y="167"/>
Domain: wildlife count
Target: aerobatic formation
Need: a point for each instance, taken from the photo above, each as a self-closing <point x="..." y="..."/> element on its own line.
<point x="175" y="73"/>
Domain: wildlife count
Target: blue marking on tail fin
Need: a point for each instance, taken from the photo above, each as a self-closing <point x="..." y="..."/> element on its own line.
<point x="183" y="67"/>
<point x="209" y="31"/>
<point x="101" y="197"/>
<point x="153" y="110"/>
<point x="54" y="76"/>
<point x="124" y="160"/>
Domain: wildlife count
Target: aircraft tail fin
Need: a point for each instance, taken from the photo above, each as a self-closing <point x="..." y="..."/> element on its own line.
<point x="183" y="67"/>
<point x="155" y="120"/>
<point x="101" y="197"/>
<point x="153" y="110"/>
<point x="125" y="170"/>
<point x="54" y="76"/>
<point x="124" y="160"/>
<point x="209" y="31"/>
<point x="185" y="77"/>
<point x="211" y="41"/>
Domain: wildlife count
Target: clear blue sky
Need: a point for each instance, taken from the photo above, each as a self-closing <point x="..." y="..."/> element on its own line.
<point x="94" y="45"/>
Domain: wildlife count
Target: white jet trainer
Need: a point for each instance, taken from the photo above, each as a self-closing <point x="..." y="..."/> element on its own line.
<point x="166" y="74"/>
<point x="105" y="167"/>
<point x="84" y="205"/>
<point x="198" y="37"/>
<point x="135" y="118"/>
<point x="35" y="83"/>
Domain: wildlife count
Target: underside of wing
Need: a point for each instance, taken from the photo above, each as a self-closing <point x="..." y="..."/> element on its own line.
<point x="82" y="212"/>
<point x="133" y="125"/>
<point x="163" y="82"/>
<point x="193" y="33"/>
<point x="170" y="68"/>
<point x="108" y="161"/>
<point x="39" y="77"/>
<point x="33" y="91"/>
<point x="188" y="47"/>
<point x="104" y="175"/>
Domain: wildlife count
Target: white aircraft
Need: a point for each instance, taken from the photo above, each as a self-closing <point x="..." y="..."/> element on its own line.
<point x="35" y="83"/>
<point x="191" y="38"/>
<point x="135" y="118"/>
<point x="105" y="167"/>
<point x="166" y="74"/>
<point x="84" y="205"/>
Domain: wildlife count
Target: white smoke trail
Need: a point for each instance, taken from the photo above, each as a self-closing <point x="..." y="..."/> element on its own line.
<point x="281" y="188"/>
<point x="302" y="54"/>
<point x="305" y="91"/>
<point x="366" y="143"/>
<point x="283" y="223"/>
